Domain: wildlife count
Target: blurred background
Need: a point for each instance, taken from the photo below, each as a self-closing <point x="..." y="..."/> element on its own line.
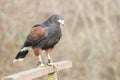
<point x="90" y="36"/>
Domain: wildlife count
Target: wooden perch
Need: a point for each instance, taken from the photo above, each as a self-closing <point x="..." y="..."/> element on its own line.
<point x="38" y="72"/>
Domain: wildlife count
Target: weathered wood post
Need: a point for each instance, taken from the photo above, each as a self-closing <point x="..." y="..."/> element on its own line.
<point x="52" y="76"/>
<point x="38" y="72"/>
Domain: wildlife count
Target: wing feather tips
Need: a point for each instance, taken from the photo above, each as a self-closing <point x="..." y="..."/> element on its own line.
<point x="20" y="59"/>
<point x="21" y="55"/>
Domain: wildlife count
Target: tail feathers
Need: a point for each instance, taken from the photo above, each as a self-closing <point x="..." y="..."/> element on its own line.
<point x="21" y="54"/>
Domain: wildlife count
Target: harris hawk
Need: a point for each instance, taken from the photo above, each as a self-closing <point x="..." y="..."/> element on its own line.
<point x="42" y="36"/>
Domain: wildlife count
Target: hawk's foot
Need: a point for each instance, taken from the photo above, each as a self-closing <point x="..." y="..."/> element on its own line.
<point x="50" y="63"/>
<point x="40" y="64"/>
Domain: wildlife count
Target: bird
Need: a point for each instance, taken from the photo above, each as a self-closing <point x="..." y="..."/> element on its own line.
<point x="43" y="36"/>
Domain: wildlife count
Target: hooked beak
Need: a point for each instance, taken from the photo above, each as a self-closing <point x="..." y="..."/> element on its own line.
<point x="61" y="21"/>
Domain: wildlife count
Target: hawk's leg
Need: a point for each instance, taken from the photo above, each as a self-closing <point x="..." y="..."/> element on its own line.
<point x="49" y="60"/>
<point x="48" y="56"/>
<point x="50" y="63"/>
<point x="40" y="63"/>
<point x="37" y="52"/>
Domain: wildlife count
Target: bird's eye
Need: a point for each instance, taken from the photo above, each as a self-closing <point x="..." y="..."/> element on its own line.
<point x="56" y="17"/>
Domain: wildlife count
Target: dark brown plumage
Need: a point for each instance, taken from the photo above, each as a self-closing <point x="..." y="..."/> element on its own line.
<point x="42" y="36"/>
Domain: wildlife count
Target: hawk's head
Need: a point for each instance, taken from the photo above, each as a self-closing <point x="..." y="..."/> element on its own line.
<point x="57" y="19"/>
